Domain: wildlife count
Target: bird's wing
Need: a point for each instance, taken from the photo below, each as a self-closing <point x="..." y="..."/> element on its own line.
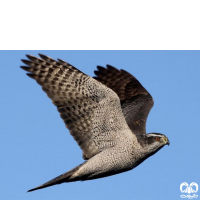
<point x="135" y="100"/>
<point x="90" y="110"/>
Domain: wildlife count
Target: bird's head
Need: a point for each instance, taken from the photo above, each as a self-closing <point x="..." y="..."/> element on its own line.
<point x="155" y="141"/>
<point x="157" y="138"/>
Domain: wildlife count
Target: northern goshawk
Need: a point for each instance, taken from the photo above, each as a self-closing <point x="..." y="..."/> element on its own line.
<point x="106" y="115"/>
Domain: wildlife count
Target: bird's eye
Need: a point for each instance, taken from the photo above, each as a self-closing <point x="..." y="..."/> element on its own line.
<point x="157" y="138"/>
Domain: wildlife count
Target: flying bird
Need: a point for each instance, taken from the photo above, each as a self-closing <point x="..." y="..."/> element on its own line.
<point x="105" y="114"/>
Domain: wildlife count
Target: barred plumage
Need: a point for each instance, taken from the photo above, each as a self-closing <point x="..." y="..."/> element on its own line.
<point x="111" y="134"/>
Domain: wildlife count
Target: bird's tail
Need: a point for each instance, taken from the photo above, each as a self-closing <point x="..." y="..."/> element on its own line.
<point x="59" y="179"/>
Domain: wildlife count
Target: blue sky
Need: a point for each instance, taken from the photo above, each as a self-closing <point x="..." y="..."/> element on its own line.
<point x="36" y="146"/>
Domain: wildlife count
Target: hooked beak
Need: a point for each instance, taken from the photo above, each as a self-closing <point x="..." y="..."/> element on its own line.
<point x="167" y="141"/>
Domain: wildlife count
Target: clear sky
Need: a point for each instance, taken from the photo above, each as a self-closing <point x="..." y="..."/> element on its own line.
<point x="36" y="146"/>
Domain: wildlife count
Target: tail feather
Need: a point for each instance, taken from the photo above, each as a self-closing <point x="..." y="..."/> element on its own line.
<point x="59" y="179"/>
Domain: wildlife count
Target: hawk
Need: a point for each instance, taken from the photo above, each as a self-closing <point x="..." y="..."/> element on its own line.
<point x="106" y="115"/>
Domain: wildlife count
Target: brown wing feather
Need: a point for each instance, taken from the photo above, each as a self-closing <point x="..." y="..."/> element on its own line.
<point x="86" y="106"/>
<point x="135" y="100"/>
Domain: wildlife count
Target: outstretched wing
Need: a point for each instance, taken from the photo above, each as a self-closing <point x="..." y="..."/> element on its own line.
<point x="135" y="100"/>
<point x="90" y="110"/>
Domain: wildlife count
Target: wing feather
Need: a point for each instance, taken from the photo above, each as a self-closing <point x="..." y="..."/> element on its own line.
<point x="135" y="100"/>
<point x="90" y="110"/>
